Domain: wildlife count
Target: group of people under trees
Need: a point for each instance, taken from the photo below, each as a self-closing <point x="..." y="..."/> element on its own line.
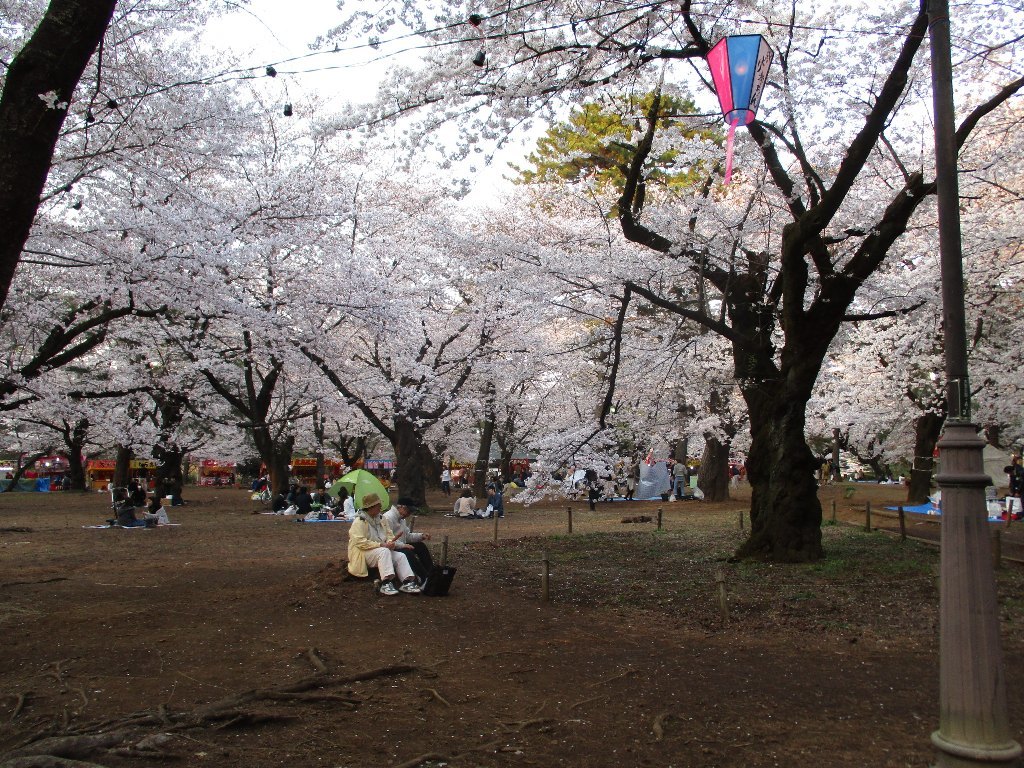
<point x="298" y="500"/>
<point x="132" y="509"/>
<point x="465" y="505"/>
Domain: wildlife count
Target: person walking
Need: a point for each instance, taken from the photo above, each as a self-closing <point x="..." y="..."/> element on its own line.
<point x="680" y="479"/>
<point x="446" y="481"/>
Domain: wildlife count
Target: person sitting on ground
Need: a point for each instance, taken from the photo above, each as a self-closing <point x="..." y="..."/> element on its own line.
<point x="346" y="505"/>
<point x="124" y="510"/>
<point x="156" y="512"/>
<point x="408" y="541"/>
<point x="465" y="507"/>
<point x="495" y="500"/>
<point x="279" y="504"/>
<point x="136" y="493"/>
<point x="127" y="515"/>
<point x="303" y="501"/>
<point x="371" y="543"/>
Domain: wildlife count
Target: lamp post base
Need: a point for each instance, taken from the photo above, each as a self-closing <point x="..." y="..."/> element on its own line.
<point x="954" y="755"/>
<point x="973" y="725"/>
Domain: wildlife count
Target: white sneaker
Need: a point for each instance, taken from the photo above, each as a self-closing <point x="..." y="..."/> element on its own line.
<point x="387" y="588"/>
<point x="410" y="588"/>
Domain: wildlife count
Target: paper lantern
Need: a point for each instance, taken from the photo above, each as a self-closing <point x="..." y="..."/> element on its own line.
<point x="739" y="68"/>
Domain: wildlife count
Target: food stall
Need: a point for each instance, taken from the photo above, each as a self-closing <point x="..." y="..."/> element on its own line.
<point x="304" y="470"/>
<point x="216" y="472"/>
<point x="100" y="472"/>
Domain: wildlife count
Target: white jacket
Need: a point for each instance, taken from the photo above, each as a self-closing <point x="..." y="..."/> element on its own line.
<point x="401" y="530"/>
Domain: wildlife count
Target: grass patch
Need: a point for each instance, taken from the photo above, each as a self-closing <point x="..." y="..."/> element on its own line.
<point x="868" y="585"/>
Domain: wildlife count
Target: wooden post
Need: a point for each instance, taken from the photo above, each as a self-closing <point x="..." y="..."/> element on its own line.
<point x="444" y="551"/>
<point x="723" y="598"/>
<point x="833" y="510"/>
<point x="545" y="575"/>
<point x="903" y="523"/>
<point x="659" y="519"/>
<point x="741" y="519"/>
<point x="568" y="517"/>
<point x="997" y="549"/>
<point x="867" y="516"/>
<point x="495" y="514"/>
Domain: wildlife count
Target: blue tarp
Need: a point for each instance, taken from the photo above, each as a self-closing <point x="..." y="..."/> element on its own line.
<point x="931" y="509"/>
<point x="28" y="484"/>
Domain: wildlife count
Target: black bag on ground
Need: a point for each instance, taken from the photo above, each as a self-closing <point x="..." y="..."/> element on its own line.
<point x="438" y="581"/>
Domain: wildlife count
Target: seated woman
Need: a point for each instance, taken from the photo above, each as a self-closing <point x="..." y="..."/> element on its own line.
<point x="371" y="543"/>
<point x="280" y="504"/>
<point x="156" y="513"/>
<point x="346" y="506"/>
<point x="130" y="516"/>
<point x="464" y="506"/>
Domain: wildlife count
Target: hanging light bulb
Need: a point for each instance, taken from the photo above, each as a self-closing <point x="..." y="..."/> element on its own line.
<point x="271" y="72"/>
<point x="480" y="58"/>
<point x="287" y="110"/>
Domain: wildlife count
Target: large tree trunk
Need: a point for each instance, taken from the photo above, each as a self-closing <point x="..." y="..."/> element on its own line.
<point x="52" y="61"/>
<point x="276" y="455"/>
<point x="713" y="475"/>
<point x="24" y="464"/>
<point x="410" y="474"/>
<point x="75" y="441"/>
<point x="122" y="467"/>
<point x="430" y="466"/>
<point x="169" y="478"/>
<point x="483" y="458"/>
<point x="785" y="513"/>
<point x="319" y="430"/>
<point x="505" y="462"/>
<point x="927" y="428"/>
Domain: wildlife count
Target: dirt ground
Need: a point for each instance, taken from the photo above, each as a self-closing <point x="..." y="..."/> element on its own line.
<point x="232" y="639"/>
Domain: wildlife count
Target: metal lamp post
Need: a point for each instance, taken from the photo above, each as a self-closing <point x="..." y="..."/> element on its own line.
<point x="973" y="722"/>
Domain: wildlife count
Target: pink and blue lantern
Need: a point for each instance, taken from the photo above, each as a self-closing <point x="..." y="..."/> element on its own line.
<point x="739" y="67"/>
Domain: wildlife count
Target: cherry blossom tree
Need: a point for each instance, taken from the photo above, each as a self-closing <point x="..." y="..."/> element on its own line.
<point x="840" y="175"/>
<point x="39" y="83"/>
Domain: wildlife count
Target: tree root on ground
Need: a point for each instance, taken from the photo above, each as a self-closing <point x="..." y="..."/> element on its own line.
<point x="581" y="702"/>
<point x="314" y="658"/>
<point x="439" y="758"/>
<point x="46" y="761"/>
<point x="26" y="583"/>
<point x="115" y="736"/>
<point x="658" y="727"/>
<point x="19" y="704"/>
<point x="627" y="673"/>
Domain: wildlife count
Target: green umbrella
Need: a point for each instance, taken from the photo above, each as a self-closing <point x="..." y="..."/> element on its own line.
<point x="358" y="483"/>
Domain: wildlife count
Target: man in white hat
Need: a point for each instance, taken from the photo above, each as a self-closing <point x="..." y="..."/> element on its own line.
<point x="371" y="543"/>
